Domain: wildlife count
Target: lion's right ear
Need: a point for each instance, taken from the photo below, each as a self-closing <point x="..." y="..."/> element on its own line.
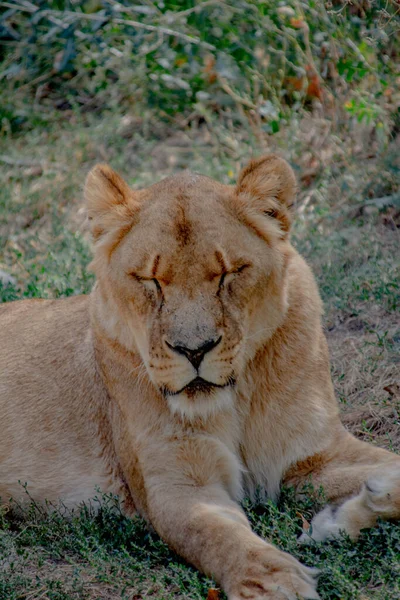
<point x="110" y="201"/>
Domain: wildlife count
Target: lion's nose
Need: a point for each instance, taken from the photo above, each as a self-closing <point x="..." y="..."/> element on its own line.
<point x="195" y="355"/>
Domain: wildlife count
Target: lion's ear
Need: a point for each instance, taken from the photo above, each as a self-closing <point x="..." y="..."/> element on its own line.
<point x="267" y="186"/>
<point x="110" y="201"/>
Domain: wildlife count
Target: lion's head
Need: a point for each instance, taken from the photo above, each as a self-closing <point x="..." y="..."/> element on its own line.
<point x="191" y="274"/>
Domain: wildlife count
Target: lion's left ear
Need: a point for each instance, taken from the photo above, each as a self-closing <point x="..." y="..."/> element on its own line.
<point x="110" y="201"/>
<point x="267" y="186"/>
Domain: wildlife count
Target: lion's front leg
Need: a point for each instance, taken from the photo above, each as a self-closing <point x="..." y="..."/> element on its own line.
<point x="211" y="532"/>
<point x="190" y="500"/>
<point x="362" y="480"/>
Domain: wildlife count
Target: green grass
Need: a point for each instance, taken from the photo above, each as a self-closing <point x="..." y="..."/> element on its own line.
<point x="100" y="554"/>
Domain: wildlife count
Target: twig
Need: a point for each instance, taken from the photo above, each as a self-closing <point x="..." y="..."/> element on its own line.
<point x="238" y="99"/>
<point x="30" y="9"/>
<point x="152" y="47"/>
<point x="135" y="24"/>
<point x="38" y="79"/>
<point x="306" y="35"/>
<point x="24" y="162"/>
<point x="30" y="5"/>
<point x="167" y="31"/>
<point x="359" y="54"/>
<point x="195" y="9"/>
<point x="19" y="162"/>
<point x="391" y="200"/>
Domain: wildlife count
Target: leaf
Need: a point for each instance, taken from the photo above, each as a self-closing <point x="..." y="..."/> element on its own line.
<point x="393" y="390"/>
<point x="213" y="594"/>
<point x="298" y="22"/>
<point x="304" y="523"/>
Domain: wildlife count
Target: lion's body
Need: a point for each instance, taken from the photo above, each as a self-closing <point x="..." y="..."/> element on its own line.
<point x="51" y="420"/>
<point x="101" y="392"/>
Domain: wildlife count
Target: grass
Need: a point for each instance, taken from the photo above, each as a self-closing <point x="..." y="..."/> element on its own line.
<point x="46" y="248"/>
<point x="101" y="554"/>
<point x="250" y="94"/>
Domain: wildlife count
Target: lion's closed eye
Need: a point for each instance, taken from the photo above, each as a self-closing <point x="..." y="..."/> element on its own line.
<point x="229" y="276"/>
<point x="151" y="284"/>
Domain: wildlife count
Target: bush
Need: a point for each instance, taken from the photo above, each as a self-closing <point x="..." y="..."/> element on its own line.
<point x="245" y="59"/>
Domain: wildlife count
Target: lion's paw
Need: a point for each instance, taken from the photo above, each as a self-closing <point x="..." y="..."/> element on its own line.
<point x="324" y="526"/>
<point x="379" y="497"/>
<point x="382" y="494"/>
<point x="268" y="574"/>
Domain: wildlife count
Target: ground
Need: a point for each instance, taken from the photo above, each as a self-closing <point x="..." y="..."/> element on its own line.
<point x="45" y="249"/>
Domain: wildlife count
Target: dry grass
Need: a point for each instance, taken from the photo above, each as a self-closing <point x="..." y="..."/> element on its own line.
<point x="80" y="580"/>
<point x="366" y="375"/>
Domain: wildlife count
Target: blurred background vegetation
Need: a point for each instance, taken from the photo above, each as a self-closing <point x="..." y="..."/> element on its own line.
<point x="156" y="86"/>
<point x="259" y="61"/>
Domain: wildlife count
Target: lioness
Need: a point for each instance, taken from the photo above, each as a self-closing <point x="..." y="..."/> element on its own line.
<point x="195" y="372"/>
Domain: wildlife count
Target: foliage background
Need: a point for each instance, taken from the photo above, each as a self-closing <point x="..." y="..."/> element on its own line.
<point x="155" y="86"/>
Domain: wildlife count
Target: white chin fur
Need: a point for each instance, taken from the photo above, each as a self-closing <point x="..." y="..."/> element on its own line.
<point x="201" y="405"/>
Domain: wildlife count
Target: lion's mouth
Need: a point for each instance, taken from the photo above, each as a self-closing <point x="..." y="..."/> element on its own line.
<point x="200" y="385"/>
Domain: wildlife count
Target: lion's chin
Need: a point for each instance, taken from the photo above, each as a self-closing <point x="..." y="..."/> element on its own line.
<point x="202" y="404"/>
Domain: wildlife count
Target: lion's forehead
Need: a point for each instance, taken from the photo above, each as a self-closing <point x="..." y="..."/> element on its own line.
<point x="187" y="230"/>
<point x="196" y="194"/>
<point x="188" y="220"/>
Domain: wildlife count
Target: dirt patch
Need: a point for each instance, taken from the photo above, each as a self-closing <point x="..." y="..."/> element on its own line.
<point x="40" y="575"/>
<point x="365" y="368"/>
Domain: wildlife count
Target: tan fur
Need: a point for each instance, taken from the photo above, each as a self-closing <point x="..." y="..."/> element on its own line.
<point x="194" y="279"/>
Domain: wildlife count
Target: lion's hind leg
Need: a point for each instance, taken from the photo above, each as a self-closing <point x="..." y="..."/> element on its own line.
<point x="362" y="480"/>
<point x="379" y="497"/>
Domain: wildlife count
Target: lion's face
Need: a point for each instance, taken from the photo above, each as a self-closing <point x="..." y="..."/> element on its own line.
<point x="190" y="277"/>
